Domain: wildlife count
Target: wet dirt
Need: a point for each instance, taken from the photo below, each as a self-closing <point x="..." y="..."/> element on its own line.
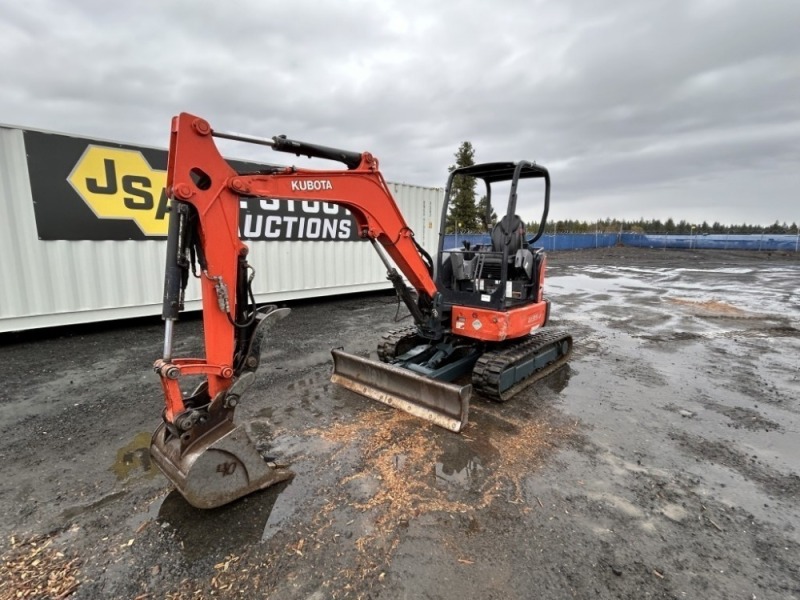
<point x="661" y="463"/>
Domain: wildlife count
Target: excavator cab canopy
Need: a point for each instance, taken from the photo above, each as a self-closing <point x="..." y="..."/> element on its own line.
<point x="498" y="173"/>
<point x="500" y="269"/>
<point x="501" y="171"/>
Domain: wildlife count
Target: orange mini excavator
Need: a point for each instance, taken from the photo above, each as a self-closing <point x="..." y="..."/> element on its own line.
<point x="478" y="310"/>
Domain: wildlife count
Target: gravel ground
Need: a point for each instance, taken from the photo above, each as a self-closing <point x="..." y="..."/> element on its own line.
<point x="661" y="463"/>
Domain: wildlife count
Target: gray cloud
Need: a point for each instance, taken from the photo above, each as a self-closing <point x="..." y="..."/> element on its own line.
<point x="685" y="108"/>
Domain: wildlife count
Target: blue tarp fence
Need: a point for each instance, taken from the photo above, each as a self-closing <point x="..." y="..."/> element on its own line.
<point x="578" y="241"/>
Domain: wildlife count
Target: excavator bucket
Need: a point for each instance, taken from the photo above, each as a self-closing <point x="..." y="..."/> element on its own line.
<point x="445" y="404"/>
<point x="220" y="466"/>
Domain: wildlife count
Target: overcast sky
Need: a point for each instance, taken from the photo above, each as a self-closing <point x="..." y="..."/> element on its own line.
<point x="640" y="108"/>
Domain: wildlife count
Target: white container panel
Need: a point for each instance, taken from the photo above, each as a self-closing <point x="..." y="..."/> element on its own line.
<point x="50" y="283"/>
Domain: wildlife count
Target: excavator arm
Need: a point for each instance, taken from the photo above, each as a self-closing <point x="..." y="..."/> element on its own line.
<point x="197" y="445"/>
<point x="205" y="190"/>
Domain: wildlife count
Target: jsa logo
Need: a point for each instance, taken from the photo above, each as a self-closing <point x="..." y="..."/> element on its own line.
<point x="120" y="184"/>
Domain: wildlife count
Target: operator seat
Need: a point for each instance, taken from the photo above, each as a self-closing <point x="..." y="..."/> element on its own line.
<point x="523" y="264"/>
<point x="504" y="226"/>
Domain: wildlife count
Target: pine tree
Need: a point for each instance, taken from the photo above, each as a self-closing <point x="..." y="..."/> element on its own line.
<point x="463" y="214"/>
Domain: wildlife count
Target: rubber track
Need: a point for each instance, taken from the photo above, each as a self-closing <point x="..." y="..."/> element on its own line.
<point x="387" y="347"/>
<point x="487" y="371"/>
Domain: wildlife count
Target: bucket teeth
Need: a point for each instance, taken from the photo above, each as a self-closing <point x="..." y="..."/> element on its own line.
<point x="219" y="467"/>
<point x="444" y="404"/>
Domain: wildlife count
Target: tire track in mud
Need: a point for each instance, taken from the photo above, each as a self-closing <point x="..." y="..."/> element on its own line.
<point x="777" y="484"/>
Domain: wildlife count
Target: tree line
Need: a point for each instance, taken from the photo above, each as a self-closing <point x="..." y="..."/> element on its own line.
<point x="465" y="215"/>
<point x="669" y="227"/>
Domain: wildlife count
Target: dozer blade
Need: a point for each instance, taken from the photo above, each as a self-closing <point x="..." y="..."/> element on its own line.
<point x="445" y="404"/>
<point x="220" y="466"/>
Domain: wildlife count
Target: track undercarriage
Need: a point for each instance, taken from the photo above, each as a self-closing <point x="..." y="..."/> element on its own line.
<point x="501" y="373"/>
<point x="501" y="370"/>
<point x="497" y="371"/>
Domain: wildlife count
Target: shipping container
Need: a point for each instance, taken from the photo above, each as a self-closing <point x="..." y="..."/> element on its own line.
<point x="84" y="220"/>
